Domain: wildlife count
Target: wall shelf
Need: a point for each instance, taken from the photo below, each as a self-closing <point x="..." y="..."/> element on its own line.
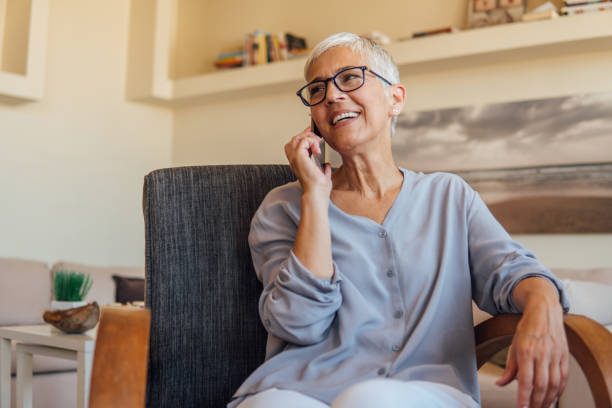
<point x="29" y="86"/>
<point x="518" y="41"/>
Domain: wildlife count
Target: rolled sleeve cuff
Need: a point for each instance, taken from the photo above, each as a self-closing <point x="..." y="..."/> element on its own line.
<point x="294" y="276"/>
<point x="563" y="299"/>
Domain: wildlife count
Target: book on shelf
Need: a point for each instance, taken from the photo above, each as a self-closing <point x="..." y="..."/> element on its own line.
<point x="282" y="46"/>
<point x="228" y="64"/>
<point x="230" y="54"/>
<point x="248" y="49"/>
<point x="295" y="43"/>
<point x="269" y="49"/>
<point x="229" y="59"/>
<point x="274" y="49"/>
<point x="587" y="8"/>
<point x="542" y="15"/>
<point x="298" y="53"/>
<point x="435" y="31"/>
<point x="582" y="2"/>
<point x="261" y="47"/>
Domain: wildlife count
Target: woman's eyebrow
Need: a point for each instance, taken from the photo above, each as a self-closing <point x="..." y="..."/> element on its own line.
<point x="320" y="78"/>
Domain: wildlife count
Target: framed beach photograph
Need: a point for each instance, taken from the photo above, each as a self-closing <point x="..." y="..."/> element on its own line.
<point x="482" y="13"/>
<point x="542" y="166"/>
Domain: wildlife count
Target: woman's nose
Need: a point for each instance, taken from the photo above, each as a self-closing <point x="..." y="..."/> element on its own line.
<point x="333" y="93"/>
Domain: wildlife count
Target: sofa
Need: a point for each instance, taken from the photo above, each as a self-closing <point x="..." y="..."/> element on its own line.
<point x="26" y="291"/>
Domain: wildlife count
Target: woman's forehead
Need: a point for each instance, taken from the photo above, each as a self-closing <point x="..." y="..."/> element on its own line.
<point x="334" y="60"/>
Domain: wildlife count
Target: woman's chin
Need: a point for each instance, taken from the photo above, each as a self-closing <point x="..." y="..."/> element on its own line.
<point x="343" y="145"/>
<point x="352" y="149"/>
<point x="349" y="141"/>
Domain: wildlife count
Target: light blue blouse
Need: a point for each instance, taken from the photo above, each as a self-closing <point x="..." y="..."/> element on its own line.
<point x="399" y="302"/>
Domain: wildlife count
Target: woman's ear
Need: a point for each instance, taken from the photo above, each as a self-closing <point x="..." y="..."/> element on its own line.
<point x="397" y="98"/>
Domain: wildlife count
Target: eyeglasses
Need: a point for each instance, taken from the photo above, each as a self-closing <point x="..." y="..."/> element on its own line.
<point x="347" y="80"/>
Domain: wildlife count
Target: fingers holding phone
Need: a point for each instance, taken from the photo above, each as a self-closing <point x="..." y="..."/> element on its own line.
<point x="302" y="151"/>
<point x="318" y="157"/>
<point x="302" y="148"/>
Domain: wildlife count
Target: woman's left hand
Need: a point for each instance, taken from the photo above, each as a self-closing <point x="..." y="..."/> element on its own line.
<point x="539" y="355"/>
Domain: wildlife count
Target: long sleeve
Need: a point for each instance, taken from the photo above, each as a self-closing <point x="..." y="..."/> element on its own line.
<point x="295" y="305"/>
<point x="498" y="263"/>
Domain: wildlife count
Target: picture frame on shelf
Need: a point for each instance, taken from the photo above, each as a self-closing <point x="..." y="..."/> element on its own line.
<point x="482" y="13"/>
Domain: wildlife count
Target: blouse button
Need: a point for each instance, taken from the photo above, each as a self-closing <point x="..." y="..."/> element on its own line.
<point x="398" y="314"/>
<point x="395" y="348"/>
<point x="382" y="234"/>
<point x="390" y="273"/>
<point x="381" y="371"/>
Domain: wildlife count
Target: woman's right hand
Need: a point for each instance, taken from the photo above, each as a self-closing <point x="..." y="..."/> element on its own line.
<point x="310" y="176"/>
<point x="312" y="244"/>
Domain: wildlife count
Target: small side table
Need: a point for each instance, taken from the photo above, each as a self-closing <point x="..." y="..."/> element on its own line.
<point x="47" y="341"/>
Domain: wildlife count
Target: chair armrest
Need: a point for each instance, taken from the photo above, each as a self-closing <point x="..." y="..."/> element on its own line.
<point x="119" y="373"/>
<point x="589" y="342"/>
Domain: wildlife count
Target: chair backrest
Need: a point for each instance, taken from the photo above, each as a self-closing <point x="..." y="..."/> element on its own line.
<point x="119" y="373"/>
<point x="206" y="336"/>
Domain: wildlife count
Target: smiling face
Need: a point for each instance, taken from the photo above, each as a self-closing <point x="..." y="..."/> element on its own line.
<point x="351" y="121"/>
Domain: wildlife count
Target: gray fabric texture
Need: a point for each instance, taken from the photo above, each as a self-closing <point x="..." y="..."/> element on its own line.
<point x="206" y="335"/>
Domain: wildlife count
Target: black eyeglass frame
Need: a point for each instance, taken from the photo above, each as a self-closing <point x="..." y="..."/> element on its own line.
<point x="333" y="79"/>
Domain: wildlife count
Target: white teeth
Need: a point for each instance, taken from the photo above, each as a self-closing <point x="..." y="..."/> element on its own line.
<point x="344" y="115"/>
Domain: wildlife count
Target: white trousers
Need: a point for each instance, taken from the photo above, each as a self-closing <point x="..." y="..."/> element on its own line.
<point x="378" y="393"/>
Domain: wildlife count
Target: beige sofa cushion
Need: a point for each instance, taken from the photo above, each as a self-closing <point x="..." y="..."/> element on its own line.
<point x="600" y="275"/>
<point x="56" y="390"/>
<point x="491" y="394"/>
<point x="103" y="288"/>
<point x="44" y="364"/>
<point x="589" y="292"/>
<point x="590" y="299"/>
<point x="25" y="291"/>
<point x="479" y="315"/>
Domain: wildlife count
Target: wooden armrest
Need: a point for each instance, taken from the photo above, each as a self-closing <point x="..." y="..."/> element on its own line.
<point x="589" y="342"/>
<point x="119" y="374"/>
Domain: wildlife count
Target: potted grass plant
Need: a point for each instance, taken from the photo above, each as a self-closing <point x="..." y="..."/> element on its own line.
<point x="70" y="289"/>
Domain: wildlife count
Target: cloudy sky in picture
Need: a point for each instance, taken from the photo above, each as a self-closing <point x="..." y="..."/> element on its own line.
<point x="568" y="130"/>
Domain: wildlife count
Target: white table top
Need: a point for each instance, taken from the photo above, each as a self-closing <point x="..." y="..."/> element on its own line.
<point x="47" y="335"/>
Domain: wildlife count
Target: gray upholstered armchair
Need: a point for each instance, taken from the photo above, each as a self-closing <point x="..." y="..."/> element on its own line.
<point x="206" y="336"/>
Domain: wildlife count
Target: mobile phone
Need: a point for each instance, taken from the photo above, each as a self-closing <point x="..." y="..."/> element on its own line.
<point x="319" y="159"/>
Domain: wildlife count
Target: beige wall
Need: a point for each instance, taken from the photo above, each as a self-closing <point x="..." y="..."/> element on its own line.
<point x="72" y="165"/>
<point x="207" y="27"/>
<point x="14" y="35"/>
<point x="253" y="130"/>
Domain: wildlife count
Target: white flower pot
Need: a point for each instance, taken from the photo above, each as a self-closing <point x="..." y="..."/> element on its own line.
<point x="63" y="305"/>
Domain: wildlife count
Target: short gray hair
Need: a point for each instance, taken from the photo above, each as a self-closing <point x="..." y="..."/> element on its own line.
<point x="376" y="57"/>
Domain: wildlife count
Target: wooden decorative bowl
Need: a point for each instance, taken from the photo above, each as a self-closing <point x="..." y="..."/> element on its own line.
<point x="77" y="320"/>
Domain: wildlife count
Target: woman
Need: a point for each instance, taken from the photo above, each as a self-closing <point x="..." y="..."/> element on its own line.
<point x="369" y="272"/>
